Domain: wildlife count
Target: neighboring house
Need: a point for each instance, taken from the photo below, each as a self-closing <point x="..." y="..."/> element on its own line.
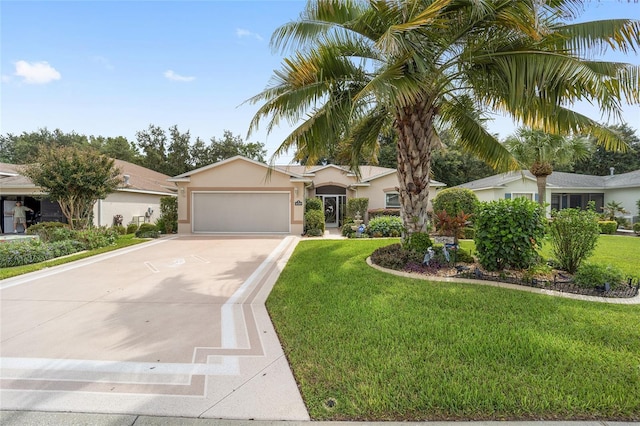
<point x="241" y="195"/>
<point x="564" y="190"/>
<point x="137" y="200"/>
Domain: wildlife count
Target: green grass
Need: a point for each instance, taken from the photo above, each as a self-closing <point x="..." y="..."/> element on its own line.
<point x="122" y="242"/>
<point x="390" y="348"/>
<point x="616" y="250"/>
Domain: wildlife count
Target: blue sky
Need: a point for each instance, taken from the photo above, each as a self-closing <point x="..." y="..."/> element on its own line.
<point x="111" y="68"/>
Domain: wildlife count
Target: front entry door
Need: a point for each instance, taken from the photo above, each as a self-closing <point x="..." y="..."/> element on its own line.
<point x="331" y="213"/>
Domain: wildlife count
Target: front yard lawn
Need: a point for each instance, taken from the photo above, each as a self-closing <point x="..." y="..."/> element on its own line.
<point x="366" y="345"/>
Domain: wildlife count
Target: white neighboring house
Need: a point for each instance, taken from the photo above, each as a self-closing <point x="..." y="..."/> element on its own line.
<point x="137" y="199"/>
<point x="564" y="190"/>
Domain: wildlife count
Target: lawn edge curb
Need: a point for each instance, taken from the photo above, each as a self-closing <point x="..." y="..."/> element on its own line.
<point x="618" y="301"/>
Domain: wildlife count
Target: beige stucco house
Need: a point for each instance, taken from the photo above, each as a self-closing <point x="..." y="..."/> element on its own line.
<point x="564" y="190"/>
<point x="137" y="199"/>
<point x="239" y="195"/>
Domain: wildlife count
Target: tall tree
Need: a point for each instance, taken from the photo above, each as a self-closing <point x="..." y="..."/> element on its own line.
<point x="76" y="177"/>
<point x="153" y="143"/>
<point x="539" y="152"/>
<point x="420" y="66"/>
<point x="178" y="154"/>
<point x="601" y="160"/>
<point x="200" y="154"/>
<point x="230" y="146"/>
<point x="24" y="148"/>
<point x="117" y="147"/>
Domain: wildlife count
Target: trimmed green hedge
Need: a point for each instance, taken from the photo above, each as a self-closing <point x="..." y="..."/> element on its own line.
<point x="608" y="226"/>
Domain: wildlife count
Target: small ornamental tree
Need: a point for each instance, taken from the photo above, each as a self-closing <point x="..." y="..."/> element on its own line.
<point x="507" y="233"/>
<point x="574" y="235"/>
<point x="454" y="201"/>
<point x="76" y="178"/>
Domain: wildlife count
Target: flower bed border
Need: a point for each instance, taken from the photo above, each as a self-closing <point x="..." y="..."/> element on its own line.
<point x="538" y="290"/>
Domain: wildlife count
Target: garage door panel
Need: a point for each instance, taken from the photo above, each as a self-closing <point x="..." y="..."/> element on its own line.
<point x="241" y="212"/>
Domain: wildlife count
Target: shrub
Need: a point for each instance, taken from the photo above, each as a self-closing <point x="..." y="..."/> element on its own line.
<point x="452" y="226"/>
<point x="147" y="230"/>
<point x="119" y="229"/>
<point x="395" y="257"/>
<point x="22" y="252"/>
<point x="636" y="228"/>
<point x="385" y="226"/>
<point x="507" y="233"/>
<point x="168" y="215"/>
<point x="93" y="238"/>
<point x="65" y="248"/>
<point x="132" y="228"/>
<point x="608" y="226"/>
<point x="373" y="213"/>
<point x="314" y="223"/>
<point x="574" y="234"/>
<point x="62" y="234"/>
<point x="462" y="255"/>
<point x="44" y="229"/>
<point x="455" y="200"/>
<point x="591" y="275"/>
<point x="313" y="204"/>
<point x="355" y="205"/>
<point x="418" y="242"/>
<point x="26" y="252"/>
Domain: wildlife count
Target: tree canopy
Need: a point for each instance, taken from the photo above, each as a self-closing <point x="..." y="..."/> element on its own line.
<point x="422" y="67"/>
<point x="76" y="177"/>
<point x="171" y="153"/>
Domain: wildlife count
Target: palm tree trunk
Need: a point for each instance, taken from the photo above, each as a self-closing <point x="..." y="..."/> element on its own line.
<point x="542" y="189"/>
<point x="416" y="139"/>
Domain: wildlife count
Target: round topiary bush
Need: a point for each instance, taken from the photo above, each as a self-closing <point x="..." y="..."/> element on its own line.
<point x="132" y="228"/>
<point x="455" y="200"/>
<point x="313" y="204"/>
<point x="147" y="230"/>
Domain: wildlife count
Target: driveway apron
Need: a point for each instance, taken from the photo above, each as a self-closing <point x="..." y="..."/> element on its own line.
<point x="174" y="327"/>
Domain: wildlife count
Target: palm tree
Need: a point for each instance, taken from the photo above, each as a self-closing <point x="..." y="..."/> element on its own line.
<point x="421" y="67"/>
<point x="539" y="152"/>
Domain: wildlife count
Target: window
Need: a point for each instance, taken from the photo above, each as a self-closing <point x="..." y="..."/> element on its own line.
<point x="392" y="200"/>
<point x="527" y="195"/>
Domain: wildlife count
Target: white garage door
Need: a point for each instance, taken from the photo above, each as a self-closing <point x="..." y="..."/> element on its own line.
<point x="241" y="212"/>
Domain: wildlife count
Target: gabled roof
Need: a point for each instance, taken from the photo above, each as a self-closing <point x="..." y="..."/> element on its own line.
<point x="185" y="176"/>
<point x="624" y="180"/>
<point x="140" y="179"/>
<point x="367" y="173"/>
<point x="143" y="179"/>
<point x="558" y="180"/>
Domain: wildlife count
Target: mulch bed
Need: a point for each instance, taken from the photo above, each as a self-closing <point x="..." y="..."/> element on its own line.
<point x="557" y="280"/>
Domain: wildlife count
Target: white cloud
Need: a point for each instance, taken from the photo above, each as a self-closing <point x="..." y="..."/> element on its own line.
<point x="240" y="33"/>
<point x="5" y="78"/>
<point x="36" y="72"/>
<point x="177" y="77"/>
<point x="101" y="60"/>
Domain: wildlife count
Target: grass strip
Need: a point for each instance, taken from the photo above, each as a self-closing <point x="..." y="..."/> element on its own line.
<point x="366" y="345"/>
<point x="122" y="242"/>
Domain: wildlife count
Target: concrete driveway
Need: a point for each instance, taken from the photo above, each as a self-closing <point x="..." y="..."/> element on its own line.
<point x="174" y="327"/>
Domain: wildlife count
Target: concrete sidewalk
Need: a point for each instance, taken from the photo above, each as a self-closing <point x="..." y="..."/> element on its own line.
<point x="26" y="418"/>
